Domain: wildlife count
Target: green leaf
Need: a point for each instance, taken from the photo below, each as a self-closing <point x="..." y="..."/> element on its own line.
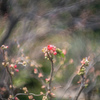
<point x="62" y="55"/>
<point x="59" y="53"/>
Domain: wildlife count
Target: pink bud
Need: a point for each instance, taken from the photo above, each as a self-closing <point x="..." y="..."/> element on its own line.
<point x="54" y="49"/>
<point x="7" y="47"/>
<point x="43" y="86"/>
<point x="45" y="54"/>
<point x="52" y="94"/>
<point x="64" y="51"/>
<point x="35" y="71"/>
<point x="51" y="51"/>
<point x="47" y="79"/>
<point x="11" y="65"/>
<point x="55" y="53"/>
<point x="17" y="70"/>
<point x="30" y="97"/>
<point x="15" y="66"/>
<point x="83" y="62"/>
<point x="16" y="98"/>
<point x="40" y="75"/>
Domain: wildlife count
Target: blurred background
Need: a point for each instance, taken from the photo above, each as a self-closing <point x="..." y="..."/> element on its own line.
<point x="27" y="26"/>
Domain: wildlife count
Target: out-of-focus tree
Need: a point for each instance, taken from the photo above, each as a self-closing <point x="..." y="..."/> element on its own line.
<point x="71" y="24"/>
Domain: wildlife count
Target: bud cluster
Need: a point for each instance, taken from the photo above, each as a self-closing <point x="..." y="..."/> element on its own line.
<point x="85" y="61"/>
<point x="52" y="94"/>
<point x="13" y="67"/>
<point x="5" y="64"/>
<point x="44" y="98"/>
<point x="82" y="71"/>
<point x="47" y="79"/>
<point x="11" y="97"/>
<point x="30" y="97"/>
<point x="4" y="47"/>
<point x="25" y="90"/>
<point x="51" y="50"/>
<point x="40" y="75"/>
<point x="35" y="71"/>
<point x="24" y="63"/>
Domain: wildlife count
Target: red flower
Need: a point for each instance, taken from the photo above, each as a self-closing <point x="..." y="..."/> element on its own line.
<point x="50" y="47"/>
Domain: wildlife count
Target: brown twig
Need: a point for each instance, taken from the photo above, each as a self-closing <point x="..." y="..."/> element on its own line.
<point x="51" y="75"/>
<point x="7" y="70"/>
<point x="10" y="80"/>
<point x="80" y="90"/>
<point x="81" y="87"/>
<point x="27" y="94"/>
